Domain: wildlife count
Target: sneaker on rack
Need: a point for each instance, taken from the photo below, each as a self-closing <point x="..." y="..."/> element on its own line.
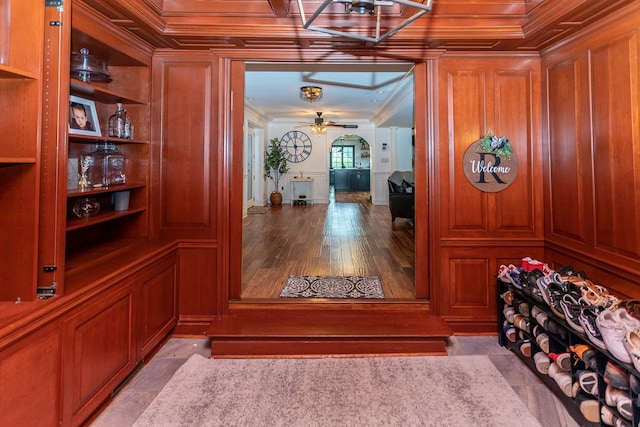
<point x="508" y="312"/>
<point x="620" y="400"/>
<point x="542" y="362"/>
<point x="632" y="344"/>
<point x="562" y="378"/>
<point x="571" y="309"/>
<point x="509" y="331"/>
<point x="525" y="347"/>
<point x="554" y="293"/>
<point x="588" y="381"/>
<point x="589" y="407"/>
<point x="507" y="296"/>
<point x="587" y="354"/>
<point x="540" y="316"/>
<point x="613" y="326"/>
<point x="615" y="376"/>
<point x="543" y="342"/>
<point x="563" y="360"/>
<point x="587" y="318"/>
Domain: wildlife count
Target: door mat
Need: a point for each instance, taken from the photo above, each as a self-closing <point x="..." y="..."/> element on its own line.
<point x="332" y="287"/>
<point x="257" y="209"/>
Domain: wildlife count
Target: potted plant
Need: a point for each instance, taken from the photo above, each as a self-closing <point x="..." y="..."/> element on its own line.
<point x="275" y="165"/>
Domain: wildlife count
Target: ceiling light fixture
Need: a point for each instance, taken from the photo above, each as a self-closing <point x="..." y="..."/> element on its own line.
<point x="370" y="7"/>
<point x="311" y="93"/>
<point x="318" y="129"/>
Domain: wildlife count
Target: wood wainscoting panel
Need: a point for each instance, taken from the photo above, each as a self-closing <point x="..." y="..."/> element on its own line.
<point x="467" y="297"/>
<point x="185" y="119"/>
<point x="200" y="287"/>
<point x="158" y="303"/>
<point x="30" y="379"/>
<point x="616" y="158"/>
<point x="98" y="353"/>
<point x="568" y="205"/>
<point x="592" y="107"/>
<point x="498" y="95"/>
<point x="464" y="209"/>
<point x="516" y="99"/>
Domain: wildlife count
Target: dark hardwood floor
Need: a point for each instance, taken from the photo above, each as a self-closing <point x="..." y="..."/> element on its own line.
<point x="349" y="236"/>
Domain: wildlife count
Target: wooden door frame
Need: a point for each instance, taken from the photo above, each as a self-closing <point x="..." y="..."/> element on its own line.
<point x="233" y="146"/>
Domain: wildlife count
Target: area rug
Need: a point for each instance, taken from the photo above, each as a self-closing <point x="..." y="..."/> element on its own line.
<point x="332" y="287"/>
<point x="434" y="391"/>
<point x="257" y="209"/>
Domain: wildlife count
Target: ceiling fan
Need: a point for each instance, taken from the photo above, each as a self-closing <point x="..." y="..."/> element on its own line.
<point x="320" y="125"/>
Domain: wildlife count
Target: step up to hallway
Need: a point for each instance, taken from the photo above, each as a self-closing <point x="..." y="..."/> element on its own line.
<point x="327" y="333"/>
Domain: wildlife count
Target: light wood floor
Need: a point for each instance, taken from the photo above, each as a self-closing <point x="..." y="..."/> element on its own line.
<point x="348" y="237"/>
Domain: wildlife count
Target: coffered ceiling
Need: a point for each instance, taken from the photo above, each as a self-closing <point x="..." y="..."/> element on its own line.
<point x="271" y="30"/>
<point x="275" y="24"/>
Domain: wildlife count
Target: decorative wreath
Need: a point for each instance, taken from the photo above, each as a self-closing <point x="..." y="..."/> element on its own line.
<point x="497" y="144"/>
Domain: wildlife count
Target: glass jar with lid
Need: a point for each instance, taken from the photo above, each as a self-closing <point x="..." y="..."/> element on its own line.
<point x="105" y="166"/>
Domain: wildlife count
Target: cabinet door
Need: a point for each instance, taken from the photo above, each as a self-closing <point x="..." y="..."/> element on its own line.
<point x="30" y="380"/>
<point x="364" y="180"/>
<point x="341" y="180"/>
<point x="98" y="352"/>
<point x="158" y="304"/>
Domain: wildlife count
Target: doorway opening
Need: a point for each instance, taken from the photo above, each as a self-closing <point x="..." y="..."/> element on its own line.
<point x="320" y="238"/>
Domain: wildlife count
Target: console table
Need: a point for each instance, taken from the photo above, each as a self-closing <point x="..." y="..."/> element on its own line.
<point x="301" y="190"/>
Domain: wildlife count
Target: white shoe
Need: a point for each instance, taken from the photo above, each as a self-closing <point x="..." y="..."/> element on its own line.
<point x="613" y="326"/>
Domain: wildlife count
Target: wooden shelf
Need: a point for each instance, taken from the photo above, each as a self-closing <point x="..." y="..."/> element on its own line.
<point x="88" y="192"/>
<point x="100" y="94"/>
<point x="103" y="216"/>
<point x="86" y="139"/>
<point x="14" y="73"/>
<point x="8" y="161"/>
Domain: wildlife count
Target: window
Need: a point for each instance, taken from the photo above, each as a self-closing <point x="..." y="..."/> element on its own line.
<point x="342" y="156"/>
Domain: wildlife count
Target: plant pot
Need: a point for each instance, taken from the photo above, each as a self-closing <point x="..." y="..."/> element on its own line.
<point x="276" y="198"/>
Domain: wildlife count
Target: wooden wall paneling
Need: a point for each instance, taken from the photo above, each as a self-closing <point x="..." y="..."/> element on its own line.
<point x="99" y="351"/>
<point x="616" y="155"/>
<point x="186" y="151"/>
<point x="569" y="204"/>
<point x="477" y="95"/>
<point x="464" y="209"/>
<point x="517" y="116"/>
<point x="200" y="283"/>
<point x="30" y="379"/>
<point x="469" y="271"/>
<point x="624" y="284"/>
<point x="158" y="303"/>
<point x="592" y="110"/>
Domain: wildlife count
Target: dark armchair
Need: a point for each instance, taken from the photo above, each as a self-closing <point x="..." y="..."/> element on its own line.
<point x="401" y="194"/>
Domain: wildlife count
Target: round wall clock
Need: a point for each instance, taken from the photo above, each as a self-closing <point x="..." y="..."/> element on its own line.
<point x="296" y="146"/>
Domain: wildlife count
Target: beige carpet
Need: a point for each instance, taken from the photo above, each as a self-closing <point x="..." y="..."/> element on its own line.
<point x="395" y="391"/>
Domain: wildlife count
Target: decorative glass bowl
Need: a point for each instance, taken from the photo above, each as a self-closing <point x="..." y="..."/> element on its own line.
<point x="86" y="207"/>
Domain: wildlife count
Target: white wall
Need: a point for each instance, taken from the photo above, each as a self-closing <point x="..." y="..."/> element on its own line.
<point x="391" y="150"/>
<point x="317" y="164"/>
<point x="258" y="124"/>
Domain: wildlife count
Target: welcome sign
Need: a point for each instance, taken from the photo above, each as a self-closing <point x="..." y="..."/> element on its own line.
<point x="490" y="164"/>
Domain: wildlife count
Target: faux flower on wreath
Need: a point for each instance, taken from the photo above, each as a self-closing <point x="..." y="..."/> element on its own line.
<point x="496" y="144"/>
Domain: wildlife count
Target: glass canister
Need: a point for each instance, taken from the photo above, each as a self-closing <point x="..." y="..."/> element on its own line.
<point x="105" y="166"/>
<point x="117" y="122"/>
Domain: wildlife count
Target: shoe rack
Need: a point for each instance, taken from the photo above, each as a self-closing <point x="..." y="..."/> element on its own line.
<point x="519" y="331"/>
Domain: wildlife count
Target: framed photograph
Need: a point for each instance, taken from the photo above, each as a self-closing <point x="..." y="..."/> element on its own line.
<point x="83" y="118"/>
